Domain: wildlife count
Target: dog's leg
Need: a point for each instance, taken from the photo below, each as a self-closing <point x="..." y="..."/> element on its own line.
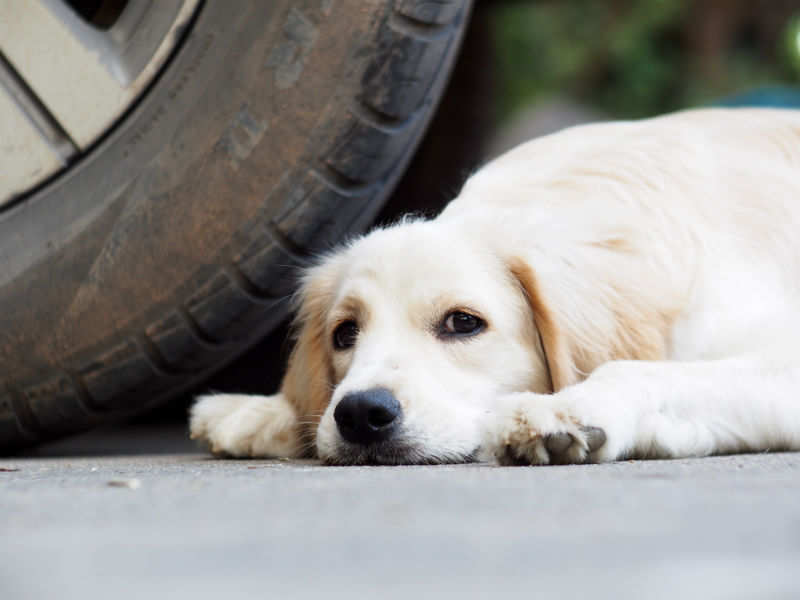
<point x="640" y="409"/>
<point x="246" y="426"/>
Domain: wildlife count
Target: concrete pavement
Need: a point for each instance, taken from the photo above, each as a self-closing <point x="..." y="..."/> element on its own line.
<point x="140" y="513"/>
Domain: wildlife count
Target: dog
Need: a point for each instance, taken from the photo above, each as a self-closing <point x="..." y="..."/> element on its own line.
<point x="614" y="290"/>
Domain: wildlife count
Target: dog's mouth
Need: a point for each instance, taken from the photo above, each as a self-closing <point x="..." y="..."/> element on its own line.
<point x="394" y="453"/>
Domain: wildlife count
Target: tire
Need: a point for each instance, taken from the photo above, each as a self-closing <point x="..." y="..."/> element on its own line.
<point x="173" y="244"/>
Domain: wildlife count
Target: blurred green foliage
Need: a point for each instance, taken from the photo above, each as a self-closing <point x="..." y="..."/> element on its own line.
<point x="791" y="44"/>
<point x="631" y="58"/>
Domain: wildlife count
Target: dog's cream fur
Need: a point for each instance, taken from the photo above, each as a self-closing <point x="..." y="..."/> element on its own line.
<point x="638" y="277"/>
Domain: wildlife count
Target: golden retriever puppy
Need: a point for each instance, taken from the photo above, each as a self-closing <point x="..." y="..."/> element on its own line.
<point x="614" y="290"/>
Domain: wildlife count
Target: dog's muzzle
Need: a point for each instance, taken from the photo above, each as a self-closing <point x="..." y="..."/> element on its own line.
<point x="369" y="417"/>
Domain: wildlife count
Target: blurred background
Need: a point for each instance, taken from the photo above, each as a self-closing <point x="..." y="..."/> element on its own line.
<point x="529" y="68"/>
<point x="636" y="58"/>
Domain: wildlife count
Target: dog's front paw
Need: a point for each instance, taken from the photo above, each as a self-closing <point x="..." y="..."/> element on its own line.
<point x="245" y="426"/>
<point x="535" y="430"/>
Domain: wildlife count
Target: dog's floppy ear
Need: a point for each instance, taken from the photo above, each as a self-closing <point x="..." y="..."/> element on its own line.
<point x="308" y="381"/>
<point x="557" y="354"/>
<point x="619" y="321"/>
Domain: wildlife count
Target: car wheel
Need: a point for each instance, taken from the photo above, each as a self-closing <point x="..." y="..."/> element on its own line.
<point x="165" y="241"/>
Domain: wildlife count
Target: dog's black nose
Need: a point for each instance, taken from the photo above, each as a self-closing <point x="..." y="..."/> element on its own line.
<point x="368" y="417"/>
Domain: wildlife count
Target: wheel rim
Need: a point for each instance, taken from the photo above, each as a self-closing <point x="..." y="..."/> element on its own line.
<point x="69" y="70"/>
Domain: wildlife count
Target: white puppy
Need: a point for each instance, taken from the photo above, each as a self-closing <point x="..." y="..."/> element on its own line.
<point x="614" y="290"/>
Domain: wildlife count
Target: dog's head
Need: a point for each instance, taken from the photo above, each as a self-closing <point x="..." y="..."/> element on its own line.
<point x="405" y="340"/>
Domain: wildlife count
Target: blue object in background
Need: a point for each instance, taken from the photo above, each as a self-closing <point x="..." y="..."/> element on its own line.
<point x="777" y="96"/>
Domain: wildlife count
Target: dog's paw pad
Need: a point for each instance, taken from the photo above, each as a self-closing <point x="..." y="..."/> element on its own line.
<point x="558" y="443"/>
<point x="522" y="455"/>
<point x="568" y="448"/>
<point x="595" y="437"/>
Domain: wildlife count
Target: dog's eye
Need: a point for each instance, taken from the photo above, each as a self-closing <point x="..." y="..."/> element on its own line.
<point x="345" y="334"/>
<point x="458" y="323"/>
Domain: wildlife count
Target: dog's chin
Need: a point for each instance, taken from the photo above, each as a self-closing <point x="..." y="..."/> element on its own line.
<point x="393" y="453"/>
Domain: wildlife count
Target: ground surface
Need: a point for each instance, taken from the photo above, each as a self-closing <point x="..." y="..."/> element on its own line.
<point x="142" y="514"/>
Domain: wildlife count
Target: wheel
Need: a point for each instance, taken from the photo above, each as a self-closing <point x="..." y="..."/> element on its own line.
<point x="170" y="242"/>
